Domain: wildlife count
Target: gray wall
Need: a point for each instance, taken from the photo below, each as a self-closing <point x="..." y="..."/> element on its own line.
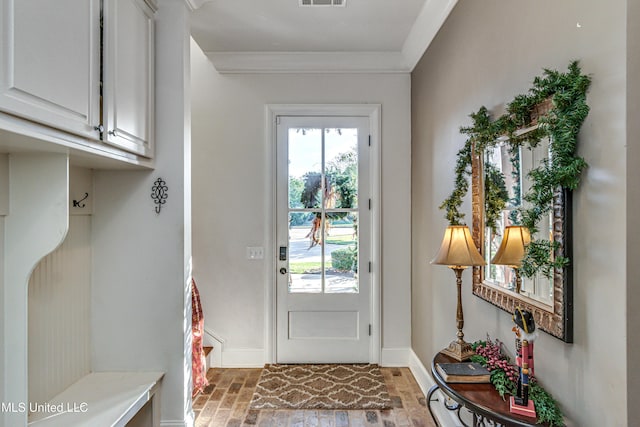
<point x="231" y="208"/>
<point x="486" y="53"/>
<point x="633" y="202"/>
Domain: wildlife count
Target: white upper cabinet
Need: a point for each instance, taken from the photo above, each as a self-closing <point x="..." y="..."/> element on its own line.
<point x="128" y="67"/>
<point x="50" y="53"/>
<point x="85" y="67"/>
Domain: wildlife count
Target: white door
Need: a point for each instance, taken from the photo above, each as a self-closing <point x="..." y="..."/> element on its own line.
<point x="323" y="235"/>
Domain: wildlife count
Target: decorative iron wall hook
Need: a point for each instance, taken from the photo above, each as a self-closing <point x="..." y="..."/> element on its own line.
<point x="78" y="203"/>
<point x="159" y="193"/>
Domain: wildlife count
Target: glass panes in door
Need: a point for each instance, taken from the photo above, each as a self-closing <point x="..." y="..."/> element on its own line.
<point x="323" y="210"/>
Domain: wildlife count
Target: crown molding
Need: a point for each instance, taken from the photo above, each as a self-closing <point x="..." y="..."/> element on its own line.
<point x="424" y="30"/>
<point x="308" y="62"/>
<point x="432" y="16"/>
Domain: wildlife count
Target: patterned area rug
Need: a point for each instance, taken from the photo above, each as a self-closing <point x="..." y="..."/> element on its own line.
<point x="321" y="387"/>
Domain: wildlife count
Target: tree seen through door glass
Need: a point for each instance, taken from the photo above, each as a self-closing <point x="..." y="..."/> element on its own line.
<point x="323" y="210"/>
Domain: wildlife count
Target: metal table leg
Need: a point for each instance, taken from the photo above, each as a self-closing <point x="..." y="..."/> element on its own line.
<point x="429" y="394"/>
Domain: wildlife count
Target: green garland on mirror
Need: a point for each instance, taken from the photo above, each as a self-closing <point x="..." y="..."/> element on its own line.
<point x="568" y="93"/>
<point x="495" y="190"/>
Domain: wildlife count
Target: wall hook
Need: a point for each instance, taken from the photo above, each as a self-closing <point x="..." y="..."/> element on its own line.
<point x="159" y="193"/>
<point x="78" y="203"/>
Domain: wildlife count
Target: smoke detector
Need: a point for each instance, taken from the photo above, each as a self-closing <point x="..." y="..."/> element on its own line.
<point x="338" y="3"/>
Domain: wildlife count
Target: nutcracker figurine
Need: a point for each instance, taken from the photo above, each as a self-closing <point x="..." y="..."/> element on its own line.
<point x="525" y="330"/>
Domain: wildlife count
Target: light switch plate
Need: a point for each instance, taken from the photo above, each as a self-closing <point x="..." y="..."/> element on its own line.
<point x="255" y="252"/>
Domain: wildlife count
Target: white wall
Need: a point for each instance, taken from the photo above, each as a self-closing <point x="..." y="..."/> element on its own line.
<point x="4" y="210"/>
<point x="59" y="302"/>
<point x="36" y="224"/>
<point x="59" y="337"/>
<point x="141" y="258"/>
<point x="633" y="203"/>
<point x="230" y="165"/>
<point x="486" y="53"/>
<point x="4" y="184"/>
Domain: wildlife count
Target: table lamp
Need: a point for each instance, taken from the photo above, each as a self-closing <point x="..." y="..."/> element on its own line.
<point x="514" y="242"/>
<point x="458" y="252"/>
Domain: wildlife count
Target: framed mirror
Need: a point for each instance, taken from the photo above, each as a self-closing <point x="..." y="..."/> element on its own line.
<point x="523" y="166"/>
<point x="504" y="168"/>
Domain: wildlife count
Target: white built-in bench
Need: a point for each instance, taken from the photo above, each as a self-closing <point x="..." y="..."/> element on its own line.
<point x="105" y="399"/>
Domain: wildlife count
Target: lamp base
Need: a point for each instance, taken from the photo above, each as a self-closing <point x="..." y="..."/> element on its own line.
<point x="459" y="351"/>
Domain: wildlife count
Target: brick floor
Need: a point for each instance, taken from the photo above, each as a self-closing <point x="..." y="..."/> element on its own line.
<point x="225" y="402"/>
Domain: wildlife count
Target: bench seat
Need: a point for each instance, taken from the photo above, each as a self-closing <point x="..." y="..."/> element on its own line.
<point x="101" y="399"/>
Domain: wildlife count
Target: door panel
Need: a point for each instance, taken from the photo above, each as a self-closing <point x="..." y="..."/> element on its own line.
<point x="323" y="293"/>
<point x="129" y="76"/>
<point x="50" y="55"/>
<point x="323" y="324"/>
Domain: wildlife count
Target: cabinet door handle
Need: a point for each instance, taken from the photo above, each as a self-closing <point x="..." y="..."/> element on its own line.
<point x="99" y="128"/>
<point x="113" y="132"/>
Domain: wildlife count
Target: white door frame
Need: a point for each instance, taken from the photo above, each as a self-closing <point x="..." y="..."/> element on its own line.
<point x="372" y="111"/>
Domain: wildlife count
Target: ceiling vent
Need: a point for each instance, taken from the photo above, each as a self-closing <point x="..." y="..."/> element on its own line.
<point x="338" y="3"/>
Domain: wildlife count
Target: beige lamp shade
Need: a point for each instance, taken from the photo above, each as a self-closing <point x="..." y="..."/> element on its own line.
<point x="458" y="249"/>
<point x="516" y="238"/>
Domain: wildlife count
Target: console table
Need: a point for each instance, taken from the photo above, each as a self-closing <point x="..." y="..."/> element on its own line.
<point x="482" y="400"/>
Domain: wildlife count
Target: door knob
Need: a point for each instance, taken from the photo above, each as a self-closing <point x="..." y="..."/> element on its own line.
<point x="283" y="270"/>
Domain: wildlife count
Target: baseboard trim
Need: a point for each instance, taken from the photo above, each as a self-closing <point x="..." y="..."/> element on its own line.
<point x="212" y="335"/>
<point x="445" y="417"/>
<point x="173" y="423"/>
<point x="420" y="373"/>
<point x="242" y="358"/>
<point x="254" y="357"/>
<point x="217" y="342"/>
<point x="395" y="357"/>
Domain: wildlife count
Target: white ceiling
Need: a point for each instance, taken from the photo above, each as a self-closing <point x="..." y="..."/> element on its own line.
<point x="280" y="35"/>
